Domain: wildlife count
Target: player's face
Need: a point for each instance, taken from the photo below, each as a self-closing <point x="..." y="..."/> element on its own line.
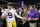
<point x="9" y="7"/>
<point x="31" y="8"/>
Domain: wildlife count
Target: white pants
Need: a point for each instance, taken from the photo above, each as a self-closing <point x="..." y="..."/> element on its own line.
<point x="9" y="24"/>
<point x="33" y="24"/>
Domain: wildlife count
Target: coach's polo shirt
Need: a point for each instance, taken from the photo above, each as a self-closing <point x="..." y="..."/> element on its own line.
<point x="34" y="14"/>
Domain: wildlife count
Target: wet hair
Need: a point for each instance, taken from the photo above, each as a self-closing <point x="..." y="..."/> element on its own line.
<point x="9" y="4"/>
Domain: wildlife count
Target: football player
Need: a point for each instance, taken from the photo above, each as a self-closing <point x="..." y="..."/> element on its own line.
<point x="10" y="14"/>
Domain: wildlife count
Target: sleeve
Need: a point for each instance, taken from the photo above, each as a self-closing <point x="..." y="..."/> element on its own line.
<point x="4" y="13"/>
<point x="37" y="15"/>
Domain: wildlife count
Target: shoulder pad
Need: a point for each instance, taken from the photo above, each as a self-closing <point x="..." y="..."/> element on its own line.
<point x="14" y="10"/>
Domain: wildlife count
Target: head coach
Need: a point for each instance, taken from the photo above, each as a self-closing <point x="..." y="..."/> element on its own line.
<point x="34" y="16"/>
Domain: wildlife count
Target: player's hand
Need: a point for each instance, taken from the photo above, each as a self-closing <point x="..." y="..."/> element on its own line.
<point x="29" y="19"/>
<point x="24" y="18"/>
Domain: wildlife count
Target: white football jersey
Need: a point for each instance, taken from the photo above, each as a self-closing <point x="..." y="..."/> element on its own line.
<point x="11" y="15"/>
<point x="3" y="11"/>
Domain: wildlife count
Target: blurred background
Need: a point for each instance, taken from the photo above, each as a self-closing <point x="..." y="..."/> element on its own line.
<point x="23" y="4"/>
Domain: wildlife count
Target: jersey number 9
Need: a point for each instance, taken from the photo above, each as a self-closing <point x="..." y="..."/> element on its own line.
<point x="10" y="15"/>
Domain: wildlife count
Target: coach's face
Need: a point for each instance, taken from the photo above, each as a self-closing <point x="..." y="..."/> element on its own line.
<point x="31" y="8"/>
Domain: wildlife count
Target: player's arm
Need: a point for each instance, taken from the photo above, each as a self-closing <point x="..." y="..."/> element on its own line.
<point x="17" y="15"/>
<point x="4" y="16"/>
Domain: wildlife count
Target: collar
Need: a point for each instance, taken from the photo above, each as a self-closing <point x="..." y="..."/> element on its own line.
<point x="32" y="11"/>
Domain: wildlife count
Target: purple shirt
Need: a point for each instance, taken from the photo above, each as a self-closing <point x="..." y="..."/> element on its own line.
<point x="34" y="14"/>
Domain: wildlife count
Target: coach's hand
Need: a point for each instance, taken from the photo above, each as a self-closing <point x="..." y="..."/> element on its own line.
<point x="24" y="18"/>
<point x="29" y="19"/>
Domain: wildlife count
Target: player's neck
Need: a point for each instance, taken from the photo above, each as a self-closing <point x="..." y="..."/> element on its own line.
<point x="10" y="8"/>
